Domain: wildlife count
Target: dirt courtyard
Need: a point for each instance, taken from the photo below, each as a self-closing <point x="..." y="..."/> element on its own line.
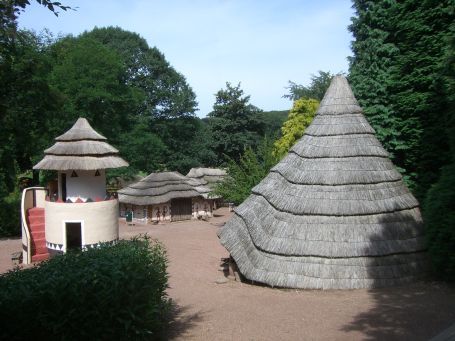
<point x="205" y="310"/>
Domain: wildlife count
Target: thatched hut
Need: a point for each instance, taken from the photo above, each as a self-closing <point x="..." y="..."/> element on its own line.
<point x="165" y="196"/>
<point x="333" y="214"/>
<point x="76" y="213"/>
<point x="209" y="178"/>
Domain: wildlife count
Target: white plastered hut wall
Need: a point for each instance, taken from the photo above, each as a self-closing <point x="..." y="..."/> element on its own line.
<point x="85" y="185"/>
<point x="147" y="213"/>
<point x="202" y="207"/>
<point x="98" y="220"/>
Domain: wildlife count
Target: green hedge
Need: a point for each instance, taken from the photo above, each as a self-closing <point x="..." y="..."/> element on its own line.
<point x="108" y="293"/>
<point x="10" y="211"/>
<point x="439" y="218"/>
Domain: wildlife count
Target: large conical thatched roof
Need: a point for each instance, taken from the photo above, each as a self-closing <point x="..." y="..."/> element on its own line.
<point x="333" y="214"/>
<point x="158" y="188"/>
<point x="81" y="147"/>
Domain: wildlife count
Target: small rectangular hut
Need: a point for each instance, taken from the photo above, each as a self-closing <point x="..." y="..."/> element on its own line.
<point x="166" y="196"/>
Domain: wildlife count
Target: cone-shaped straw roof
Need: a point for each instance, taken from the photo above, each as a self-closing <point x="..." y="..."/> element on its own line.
<point x="159" y="188"/>
<point x="81" y="147"/>
<point x="333" y="214"/>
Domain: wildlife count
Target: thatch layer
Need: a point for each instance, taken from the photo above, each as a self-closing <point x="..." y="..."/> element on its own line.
<point x="81" y="130"/>
<point x="64" y="163"/>
<point x="333" y="214"/>
<point x="82" y="148"/>
<point x="208" y="177"/>
<point x="158" y="188"/>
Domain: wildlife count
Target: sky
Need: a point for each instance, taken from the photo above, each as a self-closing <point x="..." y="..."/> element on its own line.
<point x="261" y="44"/>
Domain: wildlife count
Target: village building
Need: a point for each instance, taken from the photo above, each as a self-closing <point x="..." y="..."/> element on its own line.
<point x="333" y="214"/>
<point x="73" y="212"/>
<point x="166" y="196"/>
<point x="207" y="176"/>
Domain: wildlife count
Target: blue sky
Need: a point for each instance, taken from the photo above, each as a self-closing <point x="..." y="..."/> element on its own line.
<point x="262" y="44"/>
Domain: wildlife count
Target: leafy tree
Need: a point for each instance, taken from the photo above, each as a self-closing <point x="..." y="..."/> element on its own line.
<point x="317" y="88"/>
<point x="144" y="150"/>
<point x="246" y="173"/>
<point x="167" y="94"/>
<point x="235" y="124"/>
<point x="188" y="141"/>
<point x="25" y="99"/>
<point x="300" y="117"/>
<point x="273" y="120"/>
<point x="90" y="76"/>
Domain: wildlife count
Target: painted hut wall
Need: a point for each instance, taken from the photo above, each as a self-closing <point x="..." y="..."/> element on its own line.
<point x="85" y="185"/>
<point x="202" y="207"/>
<point x="147" y="213"/>
<point x="98" y="220"/>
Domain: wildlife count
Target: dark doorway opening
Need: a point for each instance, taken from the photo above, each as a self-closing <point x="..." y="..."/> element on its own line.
<point x="181" y="209"/>
<point x="63" y="175"/>
<point x="73" y="236"/>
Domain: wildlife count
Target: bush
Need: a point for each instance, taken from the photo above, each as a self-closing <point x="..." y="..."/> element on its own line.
<point x="10" y="211"/>
<point x="439" y="214"/>
<point x="112" y="292"/>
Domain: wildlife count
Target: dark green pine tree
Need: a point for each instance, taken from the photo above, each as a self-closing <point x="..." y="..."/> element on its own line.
<point x="374" y="55"/>
<point x="422" y="35"/>
<point x="399" y="53"/>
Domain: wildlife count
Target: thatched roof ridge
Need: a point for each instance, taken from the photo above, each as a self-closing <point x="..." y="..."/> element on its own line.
<point x="201" y="171"/>
<point x="207" y="176"/>
<point x="157" y="188"/>
<point x="83" y="148"/>
<point x="81" y="130"/>
<point x="334" y="213"/>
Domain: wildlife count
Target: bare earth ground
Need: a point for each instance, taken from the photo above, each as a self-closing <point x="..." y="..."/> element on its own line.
<point x="204" y="310"/>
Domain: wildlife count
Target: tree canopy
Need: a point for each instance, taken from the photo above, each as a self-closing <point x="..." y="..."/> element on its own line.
<point x="300" y="117"/>
<point x="317" y="88"/>
<point x="402" y="73"/>
<point x="235" y="123"/>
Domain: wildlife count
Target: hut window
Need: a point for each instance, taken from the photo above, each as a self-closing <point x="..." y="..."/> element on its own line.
<point x="74" y="174"/>
<point x="97" y="173"/>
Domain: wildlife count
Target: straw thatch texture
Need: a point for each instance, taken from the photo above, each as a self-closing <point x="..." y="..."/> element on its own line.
<point x="159" y="188"/>
<point x="83" y="148"/>
<point x="333" y="214"/>
<point x="207" y="176"/>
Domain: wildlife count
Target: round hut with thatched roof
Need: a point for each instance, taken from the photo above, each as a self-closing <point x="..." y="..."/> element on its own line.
<point x="78" y="214"/>
<point x="166" y="196"/>
<point x="333" y="214"/>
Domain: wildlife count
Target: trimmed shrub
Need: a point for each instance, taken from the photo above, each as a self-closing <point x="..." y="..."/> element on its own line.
<point x="111" y="292"/>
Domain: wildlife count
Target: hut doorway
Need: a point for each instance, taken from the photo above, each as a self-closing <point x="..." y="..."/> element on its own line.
<point x="63" y="175"/>
<point x="181" y="209"/>
<point x="73" y="235"/>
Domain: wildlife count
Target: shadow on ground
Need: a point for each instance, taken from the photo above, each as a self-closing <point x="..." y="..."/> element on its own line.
<point x="180" y="320"/>
<point x="415" y="312"/>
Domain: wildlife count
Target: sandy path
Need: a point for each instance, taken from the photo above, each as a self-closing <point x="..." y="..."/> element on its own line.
<point x="205" y="310"/>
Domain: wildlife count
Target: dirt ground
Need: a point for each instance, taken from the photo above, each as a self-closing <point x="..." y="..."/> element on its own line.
<point x="205" y="310"/>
